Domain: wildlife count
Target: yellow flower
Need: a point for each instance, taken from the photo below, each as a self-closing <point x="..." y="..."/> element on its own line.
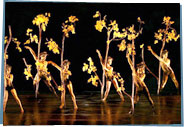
<point x="131" y="29"/>
<point x="85" y="67"/>
<point x="52" y="46"/>
<point x="71" y="28"/>
<point x="17" y="44"/>
<point x="35" y="37"/>
<point x="140" y="21"/>
<point x="113" y="23"/>
<point x="176" y="38"/>
<point x="41" y="20"/>
<point x="122" y="45"/>
<point x="5" y="39"/>
<point x="73" y="19"/>
<point x="96" y="15"/>
<point x="27" y="42"/>
<point x="166" y="20"/>
<point x="141" y="46"/>
<point x="117" y="34"/>
<point x="156" y="41"/>
<point x="27" y="72"/>
<point x="90" y="61"/>
<point x="93" y="80"/>
<point x="100" y="25"/>
<point x="158" y="36"/>
<point x="93" y="68"/>
<point x="28" y="31"/>
<point x="131" y="37"/>
<point x="115" y="27"/>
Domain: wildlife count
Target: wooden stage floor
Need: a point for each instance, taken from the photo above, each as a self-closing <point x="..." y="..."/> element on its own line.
<point x="45" y="110"/>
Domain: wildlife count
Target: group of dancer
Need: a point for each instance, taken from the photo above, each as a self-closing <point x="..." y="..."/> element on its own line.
<point x="43" y="73"/>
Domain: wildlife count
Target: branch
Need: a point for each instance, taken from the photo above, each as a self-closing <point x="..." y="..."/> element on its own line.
<point x="98" y="79"/>
<point x="146" y="65"/>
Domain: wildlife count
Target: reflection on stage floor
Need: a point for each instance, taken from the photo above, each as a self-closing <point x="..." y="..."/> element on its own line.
<point x="45" y="110"/>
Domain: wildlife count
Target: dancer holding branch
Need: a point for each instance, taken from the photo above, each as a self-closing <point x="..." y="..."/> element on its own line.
<point x="139" y="76"/>
<point x="167" y="70"/>
<point x="110" y="77"/>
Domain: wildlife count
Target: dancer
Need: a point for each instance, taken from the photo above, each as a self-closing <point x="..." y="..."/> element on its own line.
<point x="139" y="76"/>
<point x="66" y="73"/>
<point x="109" y="73"/>
<point x="42" y="70"/>
<point x="10" y="88"/>
<point x="167" y="70"/>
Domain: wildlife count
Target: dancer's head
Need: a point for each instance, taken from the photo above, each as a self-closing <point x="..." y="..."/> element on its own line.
<point x="8" y="69"/>
<point x="109" y="60"/>
<point x="141" y="68"/>
<point x="66" y="64"/>
<point x="43" y="55"/>
<point x="165" y="53"/>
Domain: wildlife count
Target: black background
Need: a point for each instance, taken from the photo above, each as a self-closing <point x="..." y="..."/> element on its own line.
<point x="80" y="46"/>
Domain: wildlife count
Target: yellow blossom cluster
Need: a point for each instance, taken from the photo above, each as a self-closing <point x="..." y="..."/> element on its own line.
<point x="132" y="34"/>
<point x="166" y="20"/>
<point x="120" y="80"/>
<point x="41" y="20"/>
<point x="5" y="39"/>
<point x="52" y="46"/>
<point x="131" y="49"/>
<point x="91" y="68"/>
<point x="167" y="34"/>
<point x="141" y="46"/>
<point x="17" y="44"/>
<point x="93" y="80"/>
<point x="172" y="36"/>
<point x="69" y="25"/>
<point x="100" y="24"/>
<point x="112" y="27"/>
<point x="32" y="38"/>
<point x="122" y="45"/>
<point x="27" y="72"/>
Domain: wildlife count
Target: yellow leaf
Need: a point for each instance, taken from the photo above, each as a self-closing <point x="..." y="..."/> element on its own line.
<point x="158" y="36"/>
<point x="73" y="19"/>
<point x="85" y="67"/>
<point x="27" y="42"/>
<point x="113" y="23"/>
<point x="131" y="29"/>
<point x="53" y="46"/>
<point x="141" y="46"/>
<point x="156" y="41"/>
<point x="28" y="31"/>
<point x="122" y="45"/>
<point x="5" y="39"/>
<point x="96" y="15"/>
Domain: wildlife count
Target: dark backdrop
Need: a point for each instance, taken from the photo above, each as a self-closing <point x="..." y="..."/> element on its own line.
<point x="80" y="46"/>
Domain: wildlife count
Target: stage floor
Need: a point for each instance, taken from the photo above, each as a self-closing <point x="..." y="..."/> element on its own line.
<point x="45" y="110"/>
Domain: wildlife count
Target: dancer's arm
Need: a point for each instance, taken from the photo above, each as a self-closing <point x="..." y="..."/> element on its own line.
<point x="100" y="57"/>
<point x="55" y="65"/>
<point x="32" y="52"/>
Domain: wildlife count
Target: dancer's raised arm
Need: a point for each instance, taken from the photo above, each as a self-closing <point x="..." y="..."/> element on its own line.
<point x="32" y="52"/>
<point x="100" y="57"/>
<point x="55" y="65"/>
